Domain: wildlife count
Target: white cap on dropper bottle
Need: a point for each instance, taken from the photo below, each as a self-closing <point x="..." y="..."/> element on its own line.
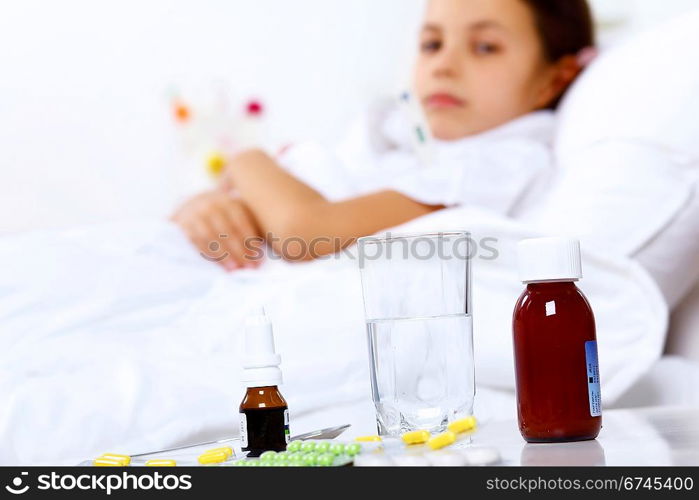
<point x="549" y="259"/>
<point x="260" y="361"/>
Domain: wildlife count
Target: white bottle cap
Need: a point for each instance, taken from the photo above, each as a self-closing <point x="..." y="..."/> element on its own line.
<point x="260" y="361"/>
<point x="549" y="259"/>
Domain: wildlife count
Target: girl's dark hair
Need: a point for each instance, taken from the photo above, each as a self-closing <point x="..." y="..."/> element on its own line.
<point x="565" y="27"/>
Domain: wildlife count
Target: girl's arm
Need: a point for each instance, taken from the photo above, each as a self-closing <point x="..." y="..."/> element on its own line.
<point x="299" y="222"/>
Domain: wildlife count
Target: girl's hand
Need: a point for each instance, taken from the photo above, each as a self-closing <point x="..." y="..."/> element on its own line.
<point x="222" y="228"/>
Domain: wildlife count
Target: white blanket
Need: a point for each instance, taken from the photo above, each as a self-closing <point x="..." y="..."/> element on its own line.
<point x="122" y="338"/>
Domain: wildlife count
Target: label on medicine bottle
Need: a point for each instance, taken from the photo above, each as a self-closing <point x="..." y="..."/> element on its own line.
<point x="287" y="431"/>
<point x="593" y="381"/>
<point x="243" y="430"/>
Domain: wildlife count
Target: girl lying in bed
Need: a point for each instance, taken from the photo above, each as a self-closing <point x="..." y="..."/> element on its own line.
<point x="488" y="75"/>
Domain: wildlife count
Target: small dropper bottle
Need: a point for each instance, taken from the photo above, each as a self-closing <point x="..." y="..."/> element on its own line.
<point x="264" y="414"/>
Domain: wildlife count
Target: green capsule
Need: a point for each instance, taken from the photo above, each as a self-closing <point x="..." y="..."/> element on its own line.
<point x="268" y="456"/>
<point x="325" y="460"/>
<point x="337" y="449"/>
<point x="353" y="449"/>
<point x="308" y="446"/>
<point x="294" y="446"/>
<point x="297" y="461"/>
<point x="323" y="447"/>
<point x="309" y="459"/>
<point x="282" y="457"/>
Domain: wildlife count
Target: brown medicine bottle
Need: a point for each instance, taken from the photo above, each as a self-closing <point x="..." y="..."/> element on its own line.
<point x="555" y="346"/>
<point x="264" y="413"/>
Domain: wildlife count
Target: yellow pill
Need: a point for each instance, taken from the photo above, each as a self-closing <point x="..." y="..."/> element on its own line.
<point x="463" y="425"/>
<point x="416" y="437"/>
<point x="368" y="439"/>
<point x="226" y="449"/>
<point x="213" y="458"/>
<point x="122" y="459"/>
<point x="215" y="164"/>
<point x="161" y="463"/>
<point x="442" y="440"/>
<point x="107" y="462"/>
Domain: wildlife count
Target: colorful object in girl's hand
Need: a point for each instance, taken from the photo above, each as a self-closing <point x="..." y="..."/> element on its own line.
<point x="216" y="164"/>
<point x="254" y="108"/>
<point x="182" y="112"/>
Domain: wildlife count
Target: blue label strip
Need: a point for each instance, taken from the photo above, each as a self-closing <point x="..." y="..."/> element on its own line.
<point x="593" y="382"/>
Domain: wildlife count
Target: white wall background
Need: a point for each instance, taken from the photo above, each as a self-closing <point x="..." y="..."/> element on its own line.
<point x="85" y="127"/>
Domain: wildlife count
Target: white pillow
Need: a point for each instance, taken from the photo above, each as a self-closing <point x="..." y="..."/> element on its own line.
<point x="628" y="151"/>
<point x="646" y="89"/>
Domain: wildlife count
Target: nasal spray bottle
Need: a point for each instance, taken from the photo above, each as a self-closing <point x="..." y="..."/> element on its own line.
<point x="264" y="414"/>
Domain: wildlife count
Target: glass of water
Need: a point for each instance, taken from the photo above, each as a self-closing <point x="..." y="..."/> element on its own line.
<point x="417" y="302"/>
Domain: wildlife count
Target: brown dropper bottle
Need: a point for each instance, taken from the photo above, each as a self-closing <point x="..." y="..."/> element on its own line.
<point x="555" y="346"/>
<point x="264" y="413"/>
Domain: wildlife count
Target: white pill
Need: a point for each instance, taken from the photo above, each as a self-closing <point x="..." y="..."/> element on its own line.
<point x="447" y="458"/>
<point x="481" y="456"/>
<point x="372" y="460"/>
<point x="409" y="460"/>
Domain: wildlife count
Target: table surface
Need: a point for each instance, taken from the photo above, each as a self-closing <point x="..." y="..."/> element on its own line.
<point x="639" y="437"/>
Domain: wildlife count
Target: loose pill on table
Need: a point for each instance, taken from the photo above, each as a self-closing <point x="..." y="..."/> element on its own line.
<point x="268" y="456"/>
<point x="416" y="437"/>
<point x="123" y="459"/>
<point x="407" y="460"/>
<point x="463" y="425"/>
<point x="213" y="458"/>
<point x="161" y="463"/>
<point x="373" y="460"/>
<point x="481" y="456"/>
<point x="226" y="449"/>
<point x="107" y="462"/>
<point x="368" y="439"/>
<point x="442" y="440"/>
<point x="447" y="458"/>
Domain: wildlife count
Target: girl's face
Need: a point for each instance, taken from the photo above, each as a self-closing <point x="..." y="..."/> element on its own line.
<point x="481" y="64"/>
